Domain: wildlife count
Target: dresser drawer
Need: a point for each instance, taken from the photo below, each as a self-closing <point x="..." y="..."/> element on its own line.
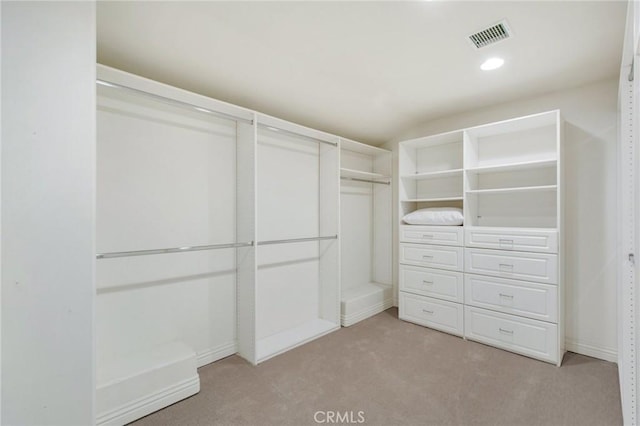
<point x="537" y="267"/>
<point x="443" y="235"/>
<point x="534" y="240"/>
<point x="443" y="257"/>
<point x="532" y="300"/>
<point x="446" y="285"/>
<point x="525" y="336"/>
<point x="433" y="313"/>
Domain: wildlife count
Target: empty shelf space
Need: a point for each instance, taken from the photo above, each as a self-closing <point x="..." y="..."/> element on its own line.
<point x="523" y="165"/>
<point x="434" y="175"/>
<point x="361" y="174"/>
<point x="276" y="344"/>
<point x="539" y="188"/>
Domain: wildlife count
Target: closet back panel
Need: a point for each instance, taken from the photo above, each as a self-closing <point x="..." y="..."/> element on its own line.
<point x="446" y="156"/>
<point x="511" y="179"/>
<point x="382" y="223"/>
<point x="526" y="210"/>
<point x="288" y="207"/>
<point x="523" y="145"/>
<point x="165" y="178"/>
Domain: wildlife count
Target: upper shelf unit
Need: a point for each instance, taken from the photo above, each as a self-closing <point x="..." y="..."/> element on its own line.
<point x="512" y="173"/>
<point x="501" y="174"/>
<point x="531" y="140"/>
<point x="431" y="169"/>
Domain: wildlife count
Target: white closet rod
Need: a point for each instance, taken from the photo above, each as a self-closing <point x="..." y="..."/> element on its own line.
<point x="175" y="102"/>
<point x="300" y="135"/>
<point x="170" y="250"/>
<point x="115" y="254"/>
<point x="365" y="180"/>
<point x="296" y="240"/>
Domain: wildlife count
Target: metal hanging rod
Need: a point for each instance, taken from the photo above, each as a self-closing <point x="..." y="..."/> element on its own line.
<point x="170" y="250"/>
<point x="174" y="101"/>
<point x="299" y="135"/>
<point x="296" y="240"/>
<point x="365" y="180"/>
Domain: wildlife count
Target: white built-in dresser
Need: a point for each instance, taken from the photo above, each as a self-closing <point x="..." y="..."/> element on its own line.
<point x="498" y="279"/>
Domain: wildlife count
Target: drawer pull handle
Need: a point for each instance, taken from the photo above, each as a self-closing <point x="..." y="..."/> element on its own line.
<point x="502" y="330"/>
<point x="427" y="256"/>
<point x="507" y="296"/>
<point x="427" y="282"/>
<point x="505" y="241"/>
<point x="506" y="266"/>
<point x="427" y="312"/>
<point x="427" y="235"/>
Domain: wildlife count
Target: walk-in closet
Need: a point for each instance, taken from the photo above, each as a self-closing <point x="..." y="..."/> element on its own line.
<point x="298" y="213"/>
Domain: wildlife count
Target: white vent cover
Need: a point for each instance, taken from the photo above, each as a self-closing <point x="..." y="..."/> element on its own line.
<point x="493" y="34"/>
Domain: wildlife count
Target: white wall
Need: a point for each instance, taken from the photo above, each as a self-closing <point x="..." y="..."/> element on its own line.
<point x="48" y="188"/>
<point x="590" y="114"/>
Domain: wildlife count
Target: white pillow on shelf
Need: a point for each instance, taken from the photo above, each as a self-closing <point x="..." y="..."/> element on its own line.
<point x="435" y="216"/>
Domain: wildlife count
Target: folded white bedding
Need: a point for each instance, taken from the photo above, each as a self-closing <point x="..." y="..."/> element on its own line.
<point x="435" y="216"/>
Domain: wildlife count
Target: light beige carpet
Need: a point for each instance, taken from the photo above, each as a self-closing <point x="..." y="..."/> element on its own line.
<point x="397" y="373"/>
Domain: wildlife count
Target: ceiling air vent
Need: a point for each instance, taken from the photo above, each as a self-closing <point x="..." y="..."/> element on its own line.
<point x="493" y="34"/>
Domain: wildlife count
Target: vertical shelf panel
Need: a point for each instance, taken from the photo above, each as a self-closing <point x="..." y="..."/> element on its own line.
<point x="246" y="262"/>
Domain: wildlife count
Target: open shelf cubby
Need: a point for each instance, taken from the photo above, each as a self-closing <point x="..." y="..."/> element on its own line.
<point x="511" y="172"/>
<point x="431" y="169"/>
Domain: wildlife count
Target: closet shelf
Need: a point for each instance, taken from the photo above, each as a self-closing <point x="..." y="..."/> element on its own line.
<point x="434" y="175"/>
<point x="351" y="173"/>
<point x="427" y="200"/>
<point x="540" y="188"/>
<point x="523" y="165"/>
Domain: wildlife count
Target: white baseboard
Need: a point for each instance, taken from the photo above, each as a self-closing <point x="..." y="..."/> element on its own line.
<point x="133" y="410"/>
<point x="606" y="354"/>
<point x="214" y="354"/>
<point x="348" y="320"/>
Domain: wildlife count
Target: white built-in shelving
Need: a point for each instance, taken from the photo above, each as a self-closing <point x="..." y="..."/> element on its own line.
<point x="499" y="278"/>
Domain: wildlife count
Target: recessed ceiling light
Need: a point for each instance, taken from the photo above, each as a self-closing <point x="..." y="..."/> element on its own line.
<point x="492" y="64"/>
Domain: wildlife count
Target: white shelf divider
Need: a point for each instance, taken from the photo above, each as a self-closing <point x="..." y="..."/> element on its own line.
<point x="524" y="165"/>
<point x="433" y="175"/>
<point x="427" y="200"/>
<point x="539" y="188"/>
<point x="362" y="175"/>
